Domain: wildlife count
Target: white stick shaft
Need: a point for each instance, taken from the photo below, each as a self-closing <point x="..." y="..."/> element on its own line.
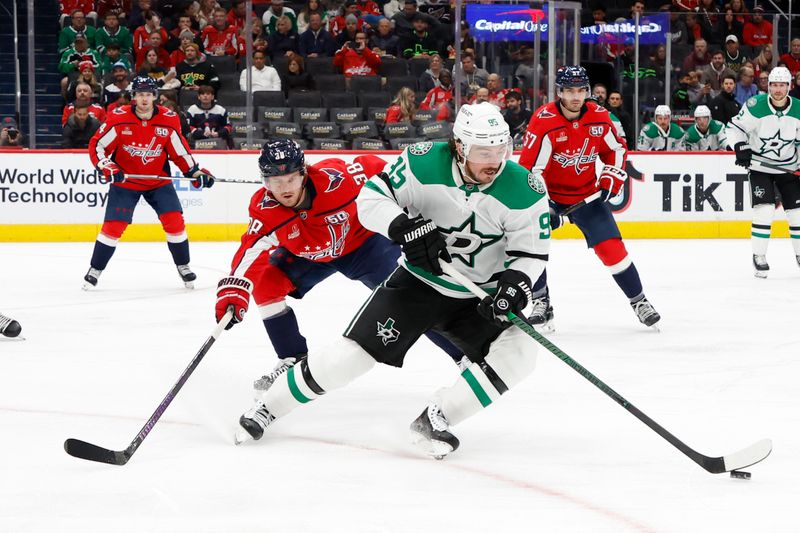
<point x="465" y="282"/>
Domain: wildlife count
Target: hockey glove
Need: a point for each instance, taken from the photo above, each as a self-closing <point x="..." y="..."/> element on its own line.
<point x="611" y="181"/>
<point x="556" y="220"/>
<point x="744" y="155"/>
<point x="110" y="171"/>
<point x="233" y="292"/>
<point x="513" y="294"/>
<point x="202" y="177"/>
<point x="421" y="241"/>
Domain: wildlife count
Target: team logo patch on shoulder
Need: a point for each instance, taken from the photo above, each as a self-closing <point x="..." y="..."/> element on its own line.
<point x="544" y="113"/>
<point x="536" y="183"/>
<point x="335" y="178"/>
<point x="596" y="131"/>
<point x="162" y="132"/>
<point x="420" y="148"/>
<point x="751" y="101"/>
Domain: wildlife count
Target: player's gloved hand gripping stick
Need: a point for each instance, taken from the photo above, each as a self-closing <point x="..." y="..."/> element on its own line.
<point x="743" y="458"/>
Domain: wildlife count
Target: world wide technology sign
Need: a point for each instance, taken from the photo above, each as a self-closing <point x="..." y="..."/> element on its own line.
<point x="517" y="22"/>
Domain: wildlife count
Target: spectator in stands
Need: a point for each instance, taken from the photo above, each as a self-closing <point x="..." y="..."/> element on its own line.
<point x="284" y="40"/>
<point x="10" y="136"/>
<point x="112" y="55"/>
<point x="205" y="14"/>
<point x="724" y="106"/>
<point x="438" y="96"/>
<point x="600" y="92"/>
<point x="138" y="11"/>
<point x="658" y="62"/>
<point x="348" y="34"/>
<point x="152" y="66"/>
<point x="339" y="22"/>
<point x="516" y="115"/>
<point x="83" y="95"/>
<point x="734" y="58"/>
<point x="699" y="93"/>
<point x="66" y="37"/>
<point x="178" y="55"/>
<point x="729" y="25"/>
<point x="699" y="58"/>
<point x="615" y="105"/>
<point x="763" y="61"/>
<point x="237" y="14"/>
<point x="155" y="43"/>
<point x="404" y="20"/>
<point x="467" y="41"/>
<point x="713" y="73"/>
<point x="495" y="94"/>
<point x="792" y="59"/>
<point x="481" y="96"/>
<point x="219" y="38"/>
<point x="403" y="108"/>
<point x="763" y="83"/>
<point x="384" y="42"/>
<point x="693" y="28"/>
<point x="472" y="76"/>
<point x="680" y="95"/>
<point x="707" y="16"/>
<point x="316" y="41"/>
<point x="208" y="119"/>
<point x="68" y="7"/>
<point x="172" y="105"/>
<point x="120" y="83"/>
<point x="356" y="59"/>
<point x="264" y="77"/>
<point x="421" y="42"/>
<point x="74" y="56"/>
<point x="179" y="32"/>
<point x="430" y="78"/>
<point x="795" y="92"/>
<point x="112" y="32"/>
<point x="87" y="75"/>
<point x="370" y="12"/>
<point x="80" y="127"/>
<point x="141" y="35"/>
<point x="259" y="39"/>
<point x="123" y="98"/>
<point x="297" y="79"/>
<point x="745" y="88"/>
<point x="274" y="14"/>
<point x="392" y="7"/>
<point x="757" y="32"/>
<point x="193" y="73"/>
<point x="679" y="33"/>
<point x="304" y="17"/>
<point x="119" y="7"/>
<point x="637" y="7"/>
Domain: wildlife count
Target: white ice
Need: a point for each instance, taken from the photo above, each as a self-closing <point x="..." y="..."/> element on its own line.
<point x="555" y="454"/>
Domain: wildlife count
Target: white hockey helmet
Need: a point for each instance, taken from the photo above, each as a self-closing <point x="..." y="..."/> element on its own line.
<point x="702" y="111"/>
<point x="482" y="125"/>
<point x="662" y="110"/>
<point x="780" y="75"/>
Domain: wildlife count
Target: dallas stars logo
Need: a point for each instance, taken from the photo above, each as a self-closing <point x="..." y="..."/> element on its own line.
<point x="386" y="331"/>
<point x="774" y="144"/>
<point x="465" y="242"/>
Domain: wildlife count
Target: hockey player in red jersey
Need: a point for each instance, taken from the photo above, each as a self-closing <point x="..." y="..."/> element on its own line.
<point x="565" y="138"/>
<point x="304" y="227"/>
<point x="140" y="139"/>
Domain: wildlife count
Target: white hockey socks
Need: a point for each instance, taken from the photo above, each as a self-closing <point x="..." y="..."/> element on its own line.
<point x="761" y="228"/>
<point x="511" y="358"/>
<point x="793" y="215"/>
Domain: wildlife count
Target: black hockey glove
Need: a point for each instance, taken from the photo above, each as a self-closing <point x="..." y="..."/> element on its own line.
<point x="421" y="242"/>
<point x="744" y="155"/>
<point x="513" y="294"/>
<point x="556" y="220"/>
<point x="201" y="177"/>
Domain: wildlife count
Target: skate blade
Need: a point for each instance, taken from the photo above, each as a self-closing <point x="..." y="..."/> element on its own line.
<point x="546" y="328"/>
<point x="189" y="284"/>
<point x="18" y="338"/>
<point x="432" y="448"/>
<point x="241" y="436"/>
<point x="87" y="286"/>
<point x="760" y="274"/>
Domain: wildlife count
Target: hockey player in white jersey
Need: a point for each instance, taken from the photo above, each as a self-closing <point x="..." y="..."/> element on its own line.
<point x="462" y="202"/>
<point x="767" y="130"/>
<point x="662" y="134"/>
<point x="705" y="134"/>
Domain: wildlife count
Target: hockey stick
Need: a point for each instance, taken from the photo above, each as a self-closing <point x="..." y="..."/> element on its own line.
<point x="776" y="167"/>
<point x="716" y="465"/>
<point x="184" y="178"/>
<point x="90" y="452"/>
<point x="574" y="207"/>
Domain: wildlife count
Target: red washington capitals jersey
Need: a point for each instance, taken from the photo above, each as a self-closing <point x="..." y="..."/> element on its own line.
<point x="141" y="146"/>
<point x="327" y="230"/>
<point x="564" y="152"/>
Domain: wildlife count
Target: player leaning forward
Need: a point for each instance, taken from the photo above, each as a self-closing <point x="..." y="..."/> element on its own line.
<point x="141" y="138"/>
<point x="767" y="129"/>
<point x="464" y="200"/>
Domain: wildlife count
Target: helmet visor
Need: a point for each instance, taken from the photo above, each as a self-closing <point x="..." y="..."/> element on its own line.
<point x="284" y="182"/>
<point x="488" y="155"/>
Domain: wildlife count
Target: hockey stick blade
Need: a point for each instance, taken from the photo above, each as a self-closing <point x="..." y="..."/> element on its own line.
<point x="90" y="452"/>
<point x="755" y="453"/>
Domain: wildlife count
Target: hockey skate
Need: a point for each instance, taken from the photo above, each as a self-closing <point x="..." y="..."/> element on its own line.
<point x="253" y="423"/>
<point x="761" y="266"/>
<point x="646" y="313"/>
<point x="541" y="317"/>
<point x="187" y="276"/>
<point x="9" y="327"/>
<point x="430" y="433"/>
<point x="265" y="382"/>
<point x="90" y="279"/>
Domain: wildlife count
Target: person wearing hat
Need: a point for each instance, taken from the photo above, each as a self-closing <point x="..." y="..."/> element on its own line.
<point x="421" y="42"/>
<point x="120" y="82"/>
<point x="179" y="54"/>
<point x="339" y="23"/>
<point x="274" y="13"/>
<point x="757" y="31"/>
<point x="77" y="25"/>
<point x="352" y="25"/>
<point x="178" y="35"/>
<point x="662" y="134"/>
<point x="77" y="52"/>
<point x="734" y="58"/>
<point x="112" y="32"/>
<point x="87" y="75"/>
<point x="10" y="136"/>
<point x="705" y="134"/>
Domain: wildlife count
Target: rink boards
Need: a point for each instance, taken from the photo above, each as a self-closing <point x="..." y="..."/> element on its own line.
<point x="55" y="196"/>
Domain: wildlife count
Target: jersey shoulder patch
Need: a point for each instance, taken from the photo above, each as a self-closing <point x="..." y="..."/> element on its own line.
<point x="516" y="188"/>
<point x="420" y="148"/>
<point x="434" y="167"/>
<point x="752" y="101"/>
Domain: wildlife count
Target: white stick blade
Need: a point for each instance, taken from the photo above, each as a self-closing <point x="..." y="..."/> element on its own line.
<point x="749" y="456"/>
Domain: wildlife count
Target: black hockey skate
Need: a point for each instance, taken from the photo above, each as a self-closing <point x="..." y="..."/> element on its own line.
<point x="541" y="317"/>
<point x="9" y="327"/>
<point x="253" y="423"/>
<point x="265" y="382"/>
<point x="90" y="279"/>
<point x="646" y="313"/>
<point x="187" y="276"/>
<point x="430" y="432"/>
<point x="761" y="266"/>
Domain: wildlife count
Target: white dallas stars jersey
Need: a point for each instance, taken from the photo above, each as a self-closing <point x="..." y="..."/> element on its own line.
<point x="772" y="135"/>
<point x="488" y="228"/>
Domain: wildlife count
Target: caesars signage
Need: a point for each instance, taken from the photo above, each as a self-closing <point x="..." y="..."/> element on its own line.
<point x="57" y="188"/>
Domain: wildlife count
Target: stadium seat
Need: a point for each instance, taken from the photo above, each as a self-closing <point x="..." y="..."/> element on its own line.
<point x="376" y="99"/>
<point x="229" y="81"/>
<point x="238" y="114"/>
<point x="269" y="98"/>
<point x="360" y="143"/>
<point x="423" y="116"/>
<point x="242" y="144"/>
<point x="188" y="99"/>
<point x="353" y="130"/>
<point x="398" y="129"/>
<point x="342" y="115"/>
<point x="378" y="114"/>
<point x="416" y="67"/>
<point x="240" y="129"/>
<point x="399" y="144"/>
<point x="304" y="115"/>
<point x="284" y="129"/>
<point x="365" y="84"/>
<point x="321" y="130"/>
<point x="222" y="64"/>
<point x="394" y="84"/>
<point x="393" y="66"/>
<point x="274" y="114"/>
<point x="281" y="64"/>
<point x="338" y="99"/>
<point x="228" y="98"/>
<point x="329" y="144"/>
<point x="320" y="65"/>
<point x="304" y="99"/>
<point x="434" y="130"/>
<point x="210" y="144"/>
<point x="330" y="83"/>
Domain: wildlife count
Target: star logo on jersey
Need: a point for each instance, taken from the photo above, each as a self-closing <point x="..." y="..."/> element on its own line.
<point x="774" y="144"/>
<point x="464" y="242"/>
<point x="387" y="332"/>
<point x="335" y="178"/>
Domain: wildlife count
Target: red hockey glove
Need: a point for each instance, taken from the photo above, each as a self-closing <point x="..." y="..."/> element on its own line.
<point x="611" y="181"/>
<point x="111" y="172"/>
<point x="233" y="292"/>
<point x="202" y="177"/>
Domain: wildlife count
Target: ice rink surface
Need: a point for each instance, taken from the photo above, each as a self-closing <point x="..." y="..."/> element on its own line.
<point x="555" y="454"/>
